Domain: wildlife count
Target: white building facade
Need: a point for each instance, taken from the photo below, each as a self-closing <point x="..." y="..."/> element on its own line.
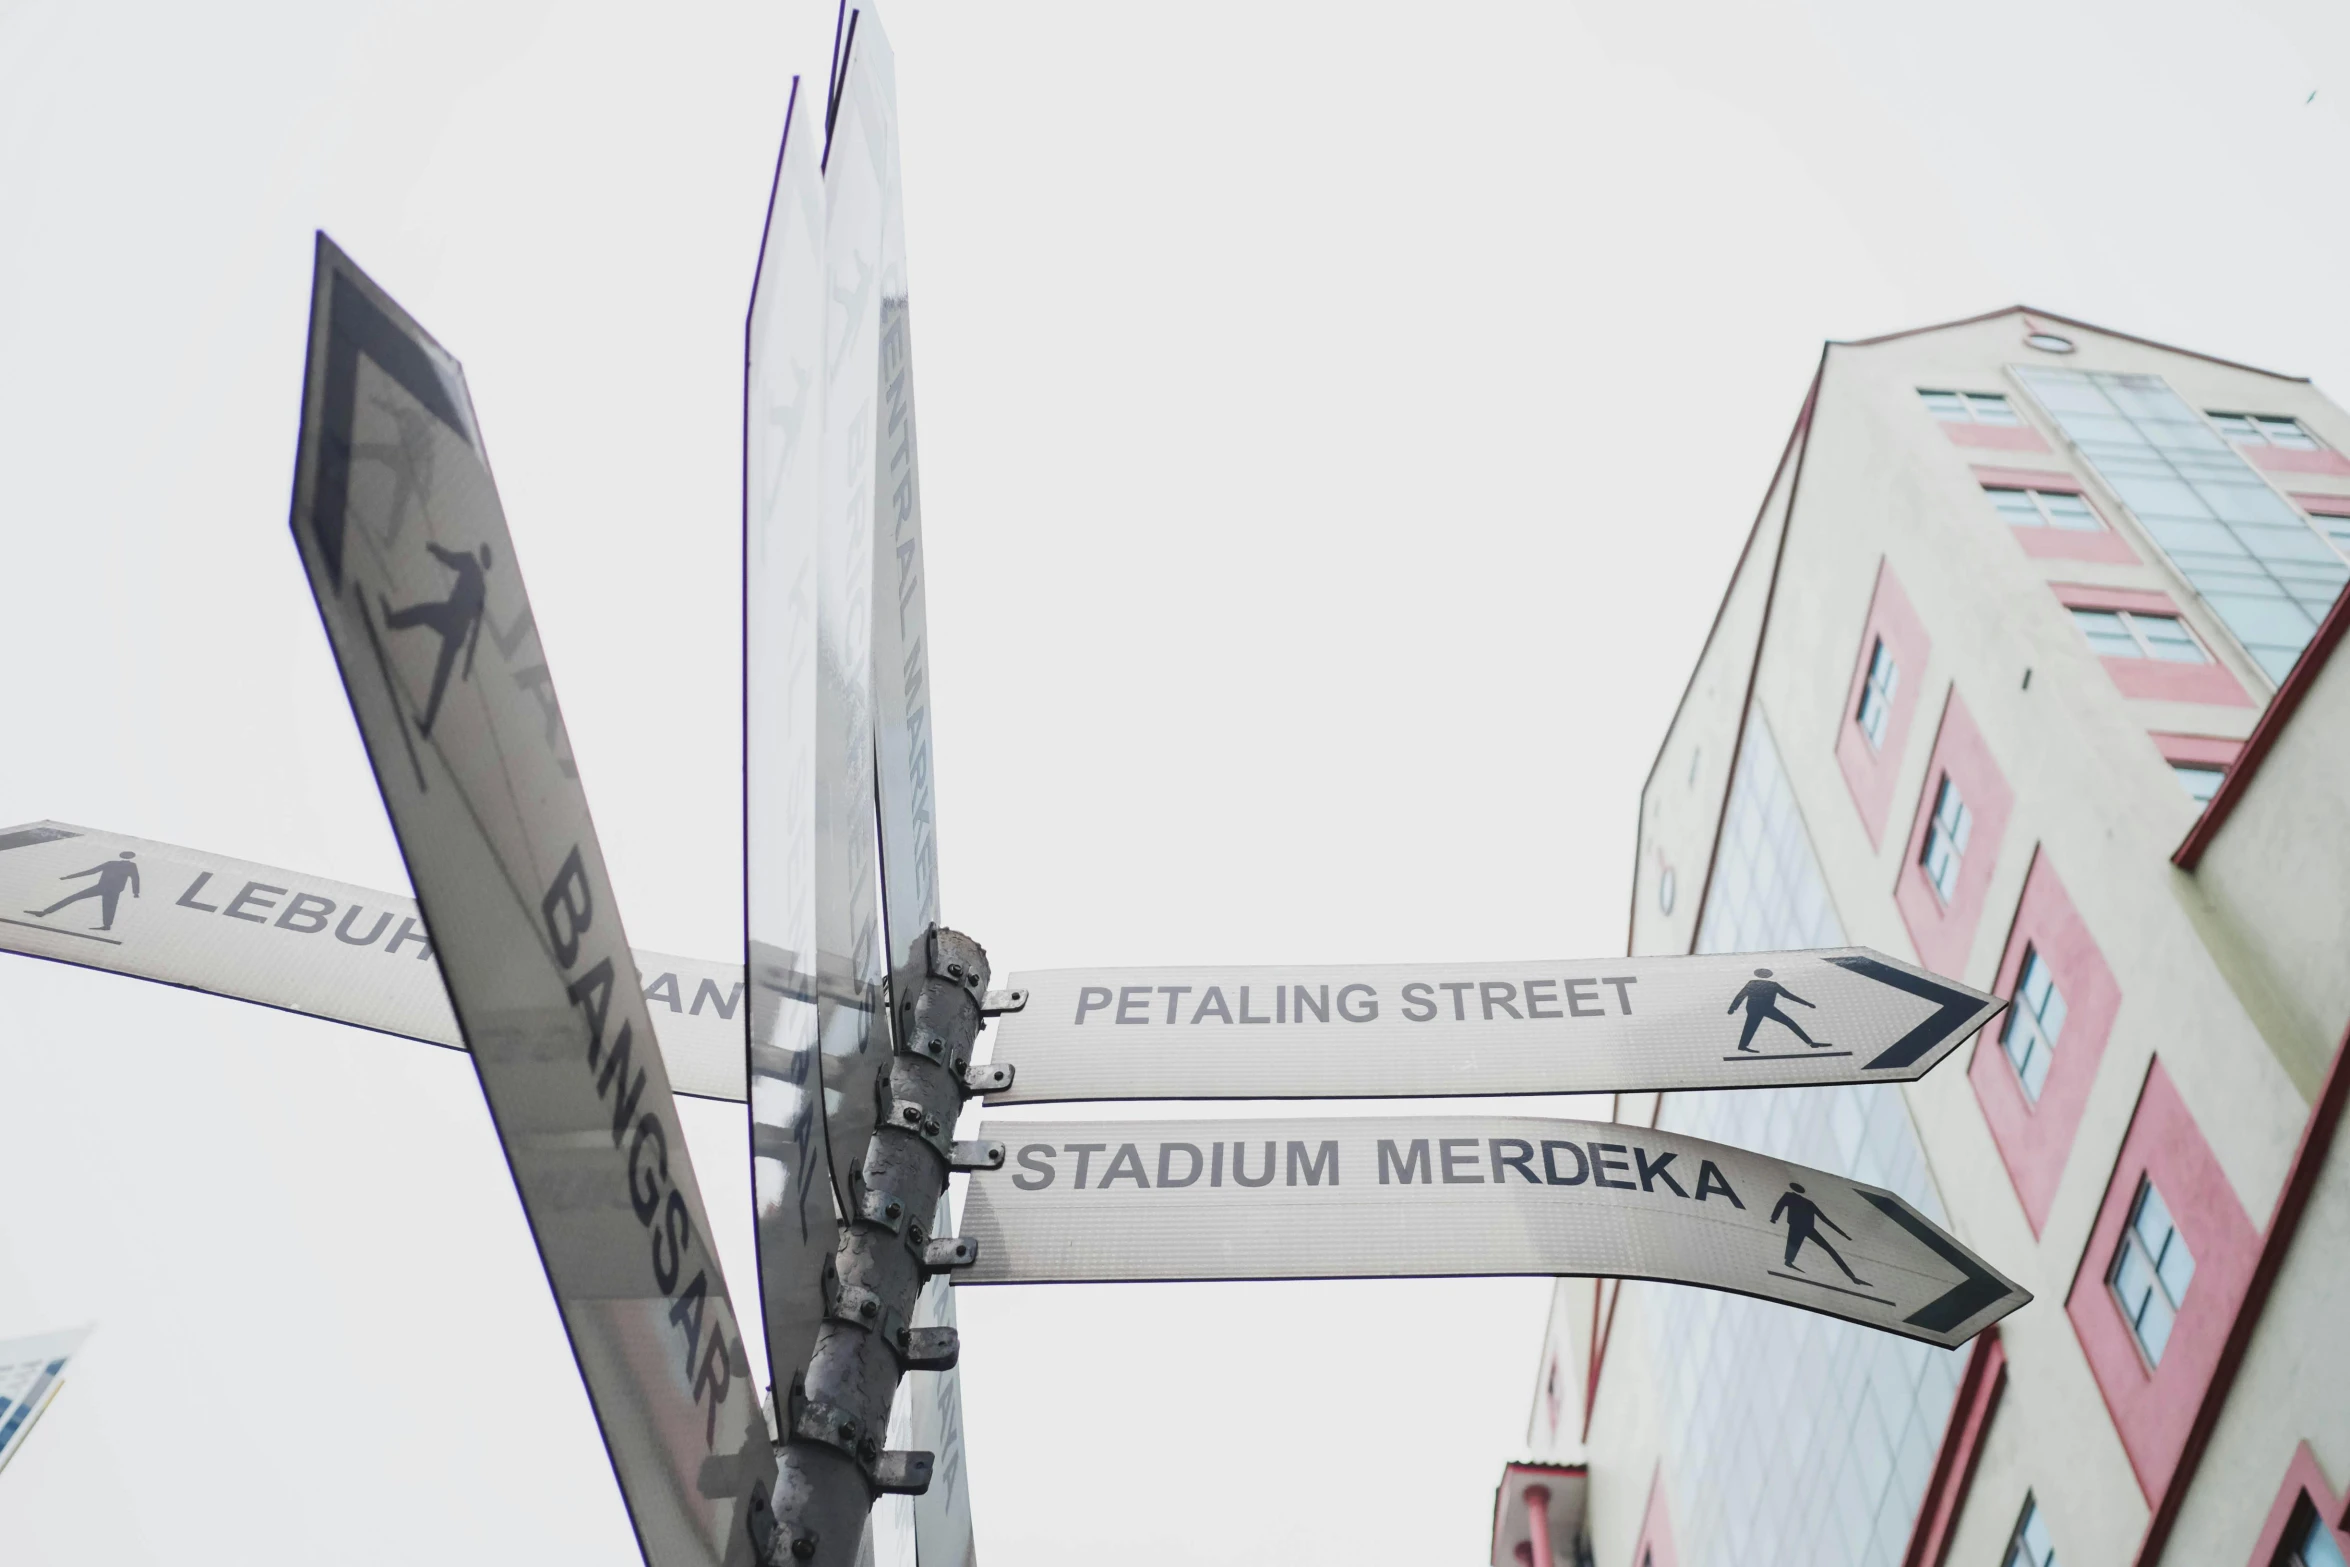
<point x="2024" y="675"/>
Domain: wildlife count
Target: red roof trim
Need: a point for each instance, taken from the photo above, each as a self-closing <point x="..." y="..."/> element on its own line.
<point x="2281" y="708"/>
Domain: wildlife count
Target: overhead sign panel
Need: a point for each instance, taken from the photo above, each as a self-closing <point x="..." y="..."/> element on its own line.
<point x="1747" y="1020"/>
<point x="1083" y="1202"/>
<point x="303" y="943"/>
<point x="408" y="554"/>
<point x="783" y="429"/>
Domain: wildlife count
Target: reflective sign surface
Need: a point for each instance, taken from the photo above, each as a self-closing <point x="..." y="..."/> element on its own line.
<point x="1082" y="1201"/>
<point x="1609" y="1025"/>
<point x="407" y="552"/>
<point x="783" y="428"/>
<point x="303" y="943"/>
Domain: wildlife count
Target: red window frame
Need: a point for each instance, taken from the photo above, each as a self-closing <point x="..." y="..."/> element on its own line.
<point x="2155" y="679"/>
<point x="2303" y="1477"/>
<point x="1869" y="770"/>
<point x="2035" y="1138"/>
<point x="1944" y="933"/>
<point x="1656" y="1528"/>
<point x="2106" y="545"/>
<point x="2153" y="1407"/>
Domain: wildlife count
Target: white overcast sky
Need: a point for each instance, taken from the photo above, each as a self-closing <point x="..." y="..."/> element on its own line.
<point x="1338" y="424"/>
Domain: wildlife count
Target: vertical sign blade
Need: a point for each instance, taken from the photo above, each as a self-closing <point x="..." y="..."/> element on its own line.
<point x="783" y="430"/>
<point x="904" y="782"/>
<point x="850" y="960"/>
<point x="407" y="552"/>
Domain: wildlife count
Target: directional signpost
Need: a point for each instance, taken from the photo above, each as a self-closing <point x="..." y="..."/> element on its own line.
<point x="304" y="943"/>
<point x="1409" y="1031"/>
<point x="857" y="1048"/>
<point x="1089" y="1202"/>
<point x="407" y="552"/>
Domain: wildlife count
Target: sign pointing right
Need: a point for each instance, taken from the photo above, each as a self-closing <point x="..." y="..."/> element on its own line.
<point x="1427" y="1196"/>
<point x="1410" y="1031"/>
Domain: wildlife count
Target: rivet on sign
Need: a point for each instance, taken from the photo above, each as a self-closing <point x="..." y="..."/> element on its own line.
<point x="954" y="971"/>
<point x="803" y="1547"/>
<point x="893" y="1210"/>
<point x="913" y="1114"/>
<point x="869" y="1309"/>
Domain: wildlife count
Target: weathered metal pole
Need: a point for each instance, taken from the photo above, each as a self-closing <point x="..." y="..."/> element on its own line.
<point x="832" y="1467"/>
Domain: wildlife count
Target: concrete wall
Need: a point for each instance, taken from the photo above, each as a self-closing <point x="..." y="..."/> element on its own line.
<point x="1880" y="485"/>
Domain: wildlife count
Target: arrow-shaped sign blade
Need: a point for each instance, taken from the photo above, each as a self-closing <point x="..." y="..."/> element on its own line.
<point x="1364" y="1031"/>
<point x="1978" y="1289"/>
<point x="1079" y="1202"/>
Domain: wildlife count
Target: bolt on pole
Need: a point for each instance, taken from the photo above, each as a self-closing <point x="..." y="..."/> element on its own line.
<point x="832" y="1467"/>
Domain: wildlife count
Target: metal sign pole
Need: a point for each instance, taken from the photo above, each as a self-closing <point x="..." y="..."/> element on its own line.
<point x="833" y="1464"/>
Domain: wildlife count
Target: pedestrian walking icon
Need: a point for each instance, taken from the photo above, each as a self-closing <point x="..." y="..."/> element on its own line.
<point x="1803" y="1220"/>
<point x="1760" y="996"/>
<point x="112" y="876"/>
<point x="457" y="620"/>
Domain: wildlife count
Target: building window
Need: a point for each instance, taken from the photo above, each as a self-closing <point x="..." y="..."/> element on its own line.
<point x="2045" y="509"/>
<point x="2033" y="1022"/>
<point x="1969" y="407"/>
<point x="2266" y="573"/>
<point x="2031" y="1546"/>
<point x="1876" y="694"/>
<point x="1946" y="839"/>
<point x="2151" y="1271"/>
<point x="2335" y="527"/>
<point x="2200" y="782"/>
<point x="2125" y="633"/>
<point x="2265" y="430"/>
<point x="2308" y="1541"/>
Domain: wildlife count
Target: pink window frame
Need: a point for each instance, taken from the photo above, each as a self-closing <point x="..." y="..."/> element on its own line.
<point x="1994" y="437"/>
<point x="1943" y="934"/>
<point x="2154" y="679"/>
<point x="1656" y="1526"/>
<point x="2197" y="750"/>
<point x="2106" y="545"/>
<point x="2287" y="459"/>
<point x="2303" y="1477"/>
<point x="1869" y="771"/>
<point x="2153" y="1407"/>
<point x="2036" y="1138"/>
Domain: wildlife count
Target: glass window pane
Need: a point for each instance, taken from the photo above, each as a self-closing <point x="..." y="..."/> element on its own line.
<point x="2016" y="506"/>
<point x="2317" y="1546"/>
<point x="2108" y="637"/>
<point x="2236" y="427"/>
<point x="2154" y="1326"/>
<point x="1990" y="408"/>
<point x="2169" y="640"/>
<point x="2201" y="783"/>
<point x="2287" y="432"/>
<point x="1948" y="406"/>
<point x="2068" y="511"/>
<point x="2176" y="1270"/>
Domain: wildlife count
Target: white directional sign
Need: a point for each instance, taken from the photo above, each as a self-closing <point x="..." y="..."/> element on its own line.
<point x="407" y="551"/>
<point x="1409" y="1031"/>
<point x="1081" y="1202"/>
<point x="302" y="943"/>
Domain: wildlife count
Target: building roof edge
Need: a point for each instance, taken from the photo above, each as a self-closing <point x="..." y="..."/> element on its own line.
<point x="2033" y="313"/>
<point x="1789" y="455"/>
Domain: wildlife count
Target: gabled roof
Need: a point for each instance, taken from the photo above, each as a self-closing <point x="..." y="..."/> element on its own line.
<point x="2034" y="316"/>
